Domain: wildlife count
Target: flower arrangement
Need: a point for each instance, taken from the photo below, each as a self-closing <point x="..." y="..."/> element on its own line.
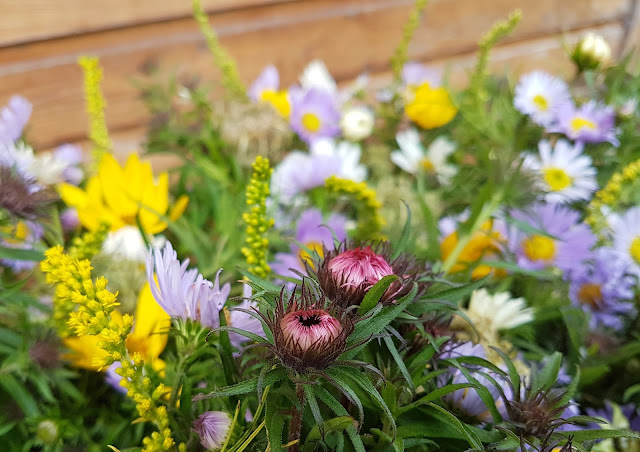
<point x="415" y="269"/>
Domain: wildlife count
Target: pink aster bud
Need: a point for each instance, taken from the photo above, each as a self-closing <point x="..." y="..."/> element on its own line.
<point x="359" y="266"/>
<point x="213" y="428"/>
<point x="308" y="327"/>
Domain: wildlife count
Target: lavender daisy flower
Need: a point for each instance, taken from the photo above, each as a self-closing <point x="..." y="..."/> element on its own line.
<point x="566" y="173"/>
<point x="71" y="156"/>
<point x="315" y="115"/>
<point x="268" y="80"/>
<point x="184" y="293"/>
<point x="244" y="321"/>
<point x="590" y="123"/>
<point x="299" y="171"/>
<point x="538" y="94"/>
<point x="213" y="428"/>
<point x="626" y="237"/>
<point x="566" y="244"/>
<point x="13" y="118"/>
<point x="417" y="73"/>
<point x="24" y="235"/>
<point x="315" y="234"/>
<point x="601" y="286"/>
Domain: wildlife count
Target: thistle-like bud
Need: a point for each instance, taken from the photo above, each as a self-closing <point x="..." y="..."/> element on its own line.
<point x="348" y="272"/>
<point x="21" y="197"/>
<point x="591" y="52"/>
<point x="307" y="334"/>
<point x="213" y="428"/>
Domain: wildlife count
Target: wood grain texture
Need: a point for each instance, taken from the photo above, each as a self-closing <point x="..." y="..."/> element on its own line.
<point x="30" y="20"/>
<point x="351" y="36"/>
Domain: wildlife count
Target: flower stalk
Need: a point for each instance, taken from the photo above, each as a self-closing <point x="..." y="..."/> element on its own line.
<point x="95" y="104"/>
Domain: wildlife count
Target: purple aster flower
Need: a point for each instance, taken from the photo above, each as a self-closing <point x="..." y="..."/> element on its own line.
<point x="13" y="118"/>
<point x="244" y="321"/>
<point x="71" y="155"/>
<point x="590" y="123"/>
<point x="538" y="94"/>
<point x="416" y="74"/>
<point x="315" y="115"/>
<point x="570" y="411"/>
<point x="600" y="287"/>
<point x="69" y="219"/>
<point x="25" y="235"/>
<point x="184" y="293"/>
<point x="268" y="80"/>
<point x="629" y="411"/>
<point x="566" y="244"/>
<point x="299" y="171"/>
<point x="213" y="428"/>
<point x="313" y="232"/>
<point x="466" y="403"/>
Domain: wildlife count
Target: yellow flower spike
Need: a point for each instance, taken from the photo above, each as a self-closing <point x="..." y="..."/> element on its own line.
<point x="95" y="103"/>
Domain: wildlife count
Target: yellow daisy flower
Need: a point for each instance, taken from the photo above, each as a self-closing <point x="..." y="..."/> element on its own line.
<point x="429" y="107"/>
<point x="117" y="196"/>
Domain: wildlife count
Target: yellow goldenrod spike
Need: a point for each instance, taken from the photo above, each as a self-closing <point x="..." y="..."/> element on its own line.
<point x="256" y="220"/>
<point x="95" y="105"/>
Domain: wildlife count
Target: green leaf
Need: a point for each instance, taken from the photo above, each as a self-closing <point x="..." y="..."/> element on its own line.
<point x="456" y="293"/>
<point x="18" y="392"/>
<point x="17" y="254"/>
<point x="248" y="334"/>
<point x="259" y="282"/>
<point x="547" y="377"/>
<point x="338" y="409"/>
<point x="594" y="434"/>
<point x="514" y="377"/>
<point x="402" y="242"/>
<point x="470" y="436"/>
<point x="336" y="424"/>
<point x="375" y="293"/>
<point x="630" y="392"/>
<point x="399" y="362"/>
<point x="435" y="395"/>
<point x="244" y="387"/>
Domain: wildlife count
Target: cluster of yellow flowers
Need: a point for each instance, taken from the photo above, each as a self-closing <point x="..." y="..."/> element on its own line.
<point x="370" y="222"/>
<point x="98" y="132"/>
<point x="256" y="218"/>
<point x="611" y="195"/>
<point x="93" y="315"/>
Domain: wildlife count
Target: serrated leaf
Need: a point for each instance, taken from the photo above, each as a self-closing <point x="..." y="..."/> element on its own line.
<point x="338" y="409"/>
<point x="375" y="293"/>
<point x="274" y="424"/>
<point x="244" y="387"/>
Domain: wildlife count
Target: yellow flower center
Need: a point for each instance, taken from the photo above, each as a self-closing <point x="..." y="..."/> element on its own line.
<point x="556" y="178"/>
<point x="17" y="233"/>
<point x="278" y="100"/>
<point x="590" y="294"/>
<point x="541" y="102"/>
<point x="304" y="256"/>
<point x="539" y="248"/>
<point x="577" y="124"/>
<point x="634" y="249"/>
<point x="311" y="122"/>
<point x="427" y="165"/>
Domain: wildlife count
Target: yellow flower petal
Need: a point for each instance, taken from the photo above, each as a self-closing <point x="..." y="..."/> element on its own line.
<point x="149" y="336"/>
<point x="115" y="189"/>
<point x="73" y="196"/>
<point x="178" y="207"/>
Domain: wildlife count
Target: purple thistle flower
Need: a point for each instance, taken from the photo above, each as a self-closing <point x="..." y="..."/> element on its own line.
<point x="13" y="118"/>
<point x="590" y="123"/>
<point x="213" y="428"/>
<point x="601" y="286"/>
<point x="313" y="232"/>
<point x="566" y="243"/>
<point x="315" y="115"/>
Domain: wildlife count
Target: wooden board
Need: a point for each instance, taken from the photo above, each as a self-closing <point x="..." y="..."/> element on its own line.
<point x="29" y="20"/>
<point x="351" y="36"/>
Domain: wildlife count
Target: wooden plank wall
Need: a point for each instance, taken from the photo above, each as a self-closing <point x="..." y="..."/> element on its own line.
<point x="40" y="41"/>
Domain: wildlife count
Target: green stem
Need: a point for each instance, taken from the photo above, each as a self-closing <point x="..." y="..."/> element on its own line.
<point x="485" y="214"/>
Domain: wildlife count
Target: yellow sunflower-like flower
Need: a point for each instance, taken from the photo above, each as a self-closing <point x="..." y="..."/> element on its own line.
<point x="118" y="195"/>
<point x="148" y="337"/>
<point x="483" y="245"/>
<point x="430" y="107"/>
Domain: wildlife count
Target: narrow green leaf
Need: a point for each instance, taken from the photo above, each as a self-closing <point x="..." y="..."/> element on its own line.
<point x="401" y="243"/>
<point x="248" y="334"/>
<point x="273" y="376"/>
<point x="456" y="293"/>
<point x="18" y="392"/>
<point x="399" y="362"/>
<point x="338" y="409"/>
<point x="594" y="434"/>
<point x="471" y="437"/>
<point x="375" y="293"/>
<point x="274" y="423"/>
<point x="435" y="395"/>
<point x="17" y="254"/>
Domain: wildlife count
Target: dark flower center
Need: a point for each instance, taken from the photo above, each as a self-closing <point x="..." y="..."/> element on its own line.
<point x="309" y="320"/>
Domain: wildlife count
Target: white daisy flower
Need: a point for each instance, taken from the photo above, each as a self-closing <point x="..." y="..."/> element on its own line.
<point x="316" y="75"/>
<point x="492" y="313"/>
<point x="626" y="237"/>
<point x="565" y="172"/>
<point x="537" y="95"/>
<point x="348" y="154"/>
<point x="413" y="158"/>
